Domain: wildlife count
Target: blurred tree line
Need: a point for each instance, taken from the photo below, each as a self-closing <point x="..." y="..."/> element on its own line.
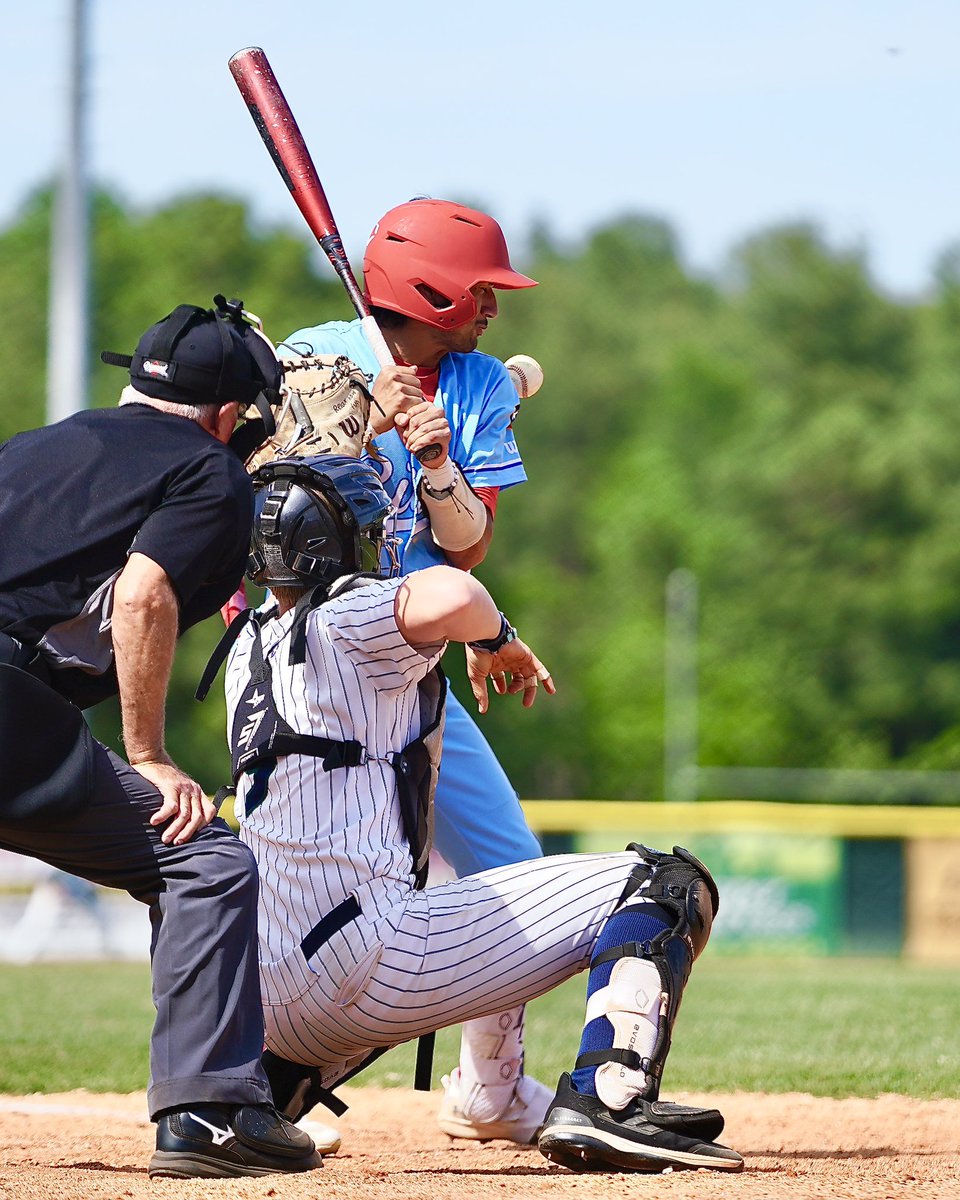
<point x="788" y="433"/>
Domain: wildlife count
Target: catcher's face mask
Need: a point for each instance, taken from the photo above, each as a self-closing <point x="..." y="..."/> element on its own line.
<point x="317" y="519"/>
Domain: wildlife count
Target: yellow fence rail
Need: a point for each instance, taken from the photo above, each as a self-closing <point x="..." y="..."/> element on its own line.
<point x="639" y="818"/>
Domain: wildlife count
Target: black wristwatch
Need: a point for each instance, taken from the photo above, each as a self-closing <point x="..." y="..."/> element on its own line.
<point x="492" y="645"/>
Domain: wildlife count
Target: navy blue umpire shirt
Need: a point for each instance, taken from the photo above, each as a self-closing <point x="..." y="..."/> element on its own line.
<point x="77" y="497"/>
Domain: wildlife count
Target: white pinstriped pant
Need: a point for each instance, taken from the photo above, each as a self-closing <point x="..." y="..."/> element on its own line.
<point x="469" y="948"/>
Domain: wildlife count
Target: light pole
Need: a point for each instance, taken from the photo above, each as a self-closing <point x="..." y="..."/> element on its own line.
<point x="680" y="732"/>
<point x="68" y="319"/>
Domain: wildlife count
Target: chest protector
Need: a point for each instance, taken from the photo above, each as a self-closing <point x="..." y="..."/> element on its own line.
<point x="260" y="735"/>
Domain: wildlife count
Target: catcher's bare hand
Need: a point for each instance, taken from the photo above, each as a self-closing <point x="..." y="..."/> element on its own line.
<point x="183" y="804"/>
<point x="514" y="668"/>
<point x="425" y="425"/>
<point x="395" y="390"/>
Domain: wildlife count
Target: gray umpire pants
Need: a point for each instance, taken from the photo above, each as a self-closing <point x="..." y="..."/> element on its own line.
<point x="208" y="1035"/>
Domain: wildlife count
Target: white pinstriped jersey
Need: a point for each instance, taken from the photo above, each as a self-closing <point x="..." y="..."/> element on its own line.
<point x="320" y="836"/>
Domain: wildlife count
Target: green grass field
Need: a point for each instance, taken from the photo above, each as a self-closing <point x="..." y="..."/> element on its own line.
<point x="832" y="1027"/>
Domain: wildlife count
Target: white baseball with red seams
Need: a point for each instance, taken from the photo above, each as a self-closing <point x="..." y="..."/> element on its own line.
<point x="526" y="373"/>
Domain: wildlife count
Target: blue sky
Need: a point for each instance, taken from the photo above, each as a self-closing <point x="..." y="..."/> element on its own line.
<point x="723" y="118"/>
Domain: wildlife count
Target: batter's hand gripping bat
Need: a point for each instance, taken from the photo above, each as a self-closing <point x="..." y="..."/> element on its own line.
<point x="281" y="135"/>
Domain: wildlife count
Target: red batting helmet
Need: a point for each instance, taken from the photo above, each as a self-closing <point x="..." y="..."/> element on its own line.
<point x="435" y="248"/>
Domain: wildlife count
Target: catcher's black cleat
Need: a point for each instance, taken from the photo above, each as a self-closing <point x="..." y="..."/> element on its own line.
<point x="581" y="1133"/>
<point x="211" y="1141"/>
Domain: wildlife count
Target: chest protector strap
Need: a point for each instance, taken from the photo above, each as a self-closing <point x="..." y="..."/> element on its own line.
<point x="417" y="767"/>
<point x="260" y="735"/>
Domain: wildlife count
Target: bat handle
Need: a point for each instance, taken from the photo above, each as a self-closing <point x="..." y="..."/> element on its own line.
<point x="378" y="343"/>
<point x="385" y="359"/>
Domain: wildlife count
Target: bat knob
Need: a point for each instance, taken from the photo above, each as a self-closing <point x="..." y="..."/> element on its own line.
<point x="429" y="453"/>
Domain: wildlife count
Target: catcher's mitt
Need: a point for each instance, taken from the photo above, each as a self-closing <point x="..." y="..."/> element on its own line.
<point x="326" y="404"/>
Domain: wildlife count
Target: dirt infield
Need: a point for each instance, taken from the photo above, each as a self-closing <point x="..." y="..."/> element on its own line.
<point x="80" y="1146"/>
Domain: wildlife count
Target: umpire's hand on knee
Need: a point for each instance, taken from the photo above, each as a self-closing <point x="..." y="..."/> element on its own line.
<point x="184" y="804"/>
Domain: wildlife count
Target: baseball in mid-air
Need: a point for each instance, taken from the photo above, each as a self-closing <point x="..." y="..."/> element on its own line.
<point x="526" y="373"/>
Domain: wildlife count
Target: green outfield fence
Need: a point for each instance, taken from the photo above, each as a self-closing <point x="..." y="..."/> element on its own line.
<point x="796" y="878"/>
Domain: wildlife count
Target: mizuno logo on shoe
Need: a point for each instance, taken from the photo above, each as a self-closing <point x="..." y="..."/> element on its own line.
<point x="219" y="1135"/>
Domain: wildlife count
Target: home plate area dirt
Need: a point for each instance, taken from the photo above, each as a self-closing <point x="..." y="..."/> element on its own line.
<point x="79" y="1146"/>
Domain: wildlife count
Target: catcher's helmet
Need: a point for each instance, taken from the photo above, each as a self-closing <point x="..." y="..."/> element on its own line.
<point x="427" y="249"/>
<point x="203" y="356"/>
<point x="316" y="519"/>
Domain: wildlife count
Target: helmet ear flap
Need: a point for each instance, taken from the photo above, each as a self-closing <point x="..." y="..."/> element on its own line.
<point x="296" y="537"/>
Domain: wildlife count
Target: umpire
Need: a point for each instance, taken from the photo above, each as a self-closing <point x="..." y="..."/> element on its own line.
<point x="121" y="529"/>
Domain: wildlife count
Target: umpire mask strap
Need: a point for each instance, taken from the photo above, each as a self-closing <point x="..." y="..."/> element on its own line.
<point x="254" y="431"/>
<point x="223" y="328"/>
<point x="265" y="403"/>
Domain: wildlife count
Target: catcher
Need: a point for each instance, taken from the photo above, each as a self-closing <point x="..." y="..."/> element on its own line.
<point x="335" y="715"/>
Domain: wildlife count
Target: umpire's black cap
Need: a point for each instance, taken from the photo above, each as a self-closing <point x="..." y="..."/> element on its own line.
<point x="202" y="356"/>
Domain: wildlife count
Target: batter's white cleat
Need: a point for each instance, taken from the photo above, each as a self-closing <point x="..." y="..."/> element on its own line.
<point x="325" y="1137"/>
<point x="519" y="1122"/>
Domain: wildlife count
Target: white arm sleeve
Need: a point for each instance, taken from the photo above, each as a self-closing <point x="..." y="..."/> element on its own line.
<point x="458" y="517"/>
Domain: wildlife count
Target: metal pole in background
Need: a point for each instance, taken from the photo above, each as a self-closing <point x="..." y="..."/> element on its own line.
<point x="680" y="732"/>
<point x="68" y="310"/>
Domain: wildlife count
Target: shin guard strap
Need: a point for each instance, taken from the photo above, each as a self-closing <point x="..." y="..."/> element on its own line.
<point x="626" y="950"/>
<point x="626" y="1058"/>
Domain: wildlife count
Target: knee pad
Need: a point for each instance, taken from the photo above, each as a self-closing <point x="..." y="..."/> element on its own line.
<point x="680" y="883"/>
<point x="646" y="985"/>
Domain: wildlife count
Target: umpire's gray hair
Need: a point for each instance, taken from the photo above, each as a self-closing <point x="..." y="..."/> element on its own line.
<point x="192" y="412"/>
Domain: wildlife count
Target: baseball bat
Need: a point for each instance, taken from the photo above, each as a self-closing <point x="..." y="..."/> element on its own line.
<point x="281" y="135"/>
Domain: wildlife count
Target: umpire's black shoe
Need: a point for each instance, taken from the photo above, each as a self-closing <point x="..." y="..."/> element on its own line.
<point x="583" y="1134"/>
<point x="215" y="1140"/>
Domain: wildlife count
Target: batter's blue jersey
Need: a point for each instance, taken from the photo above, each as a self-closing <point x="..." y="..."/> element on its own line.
<point x="477" y="395"/>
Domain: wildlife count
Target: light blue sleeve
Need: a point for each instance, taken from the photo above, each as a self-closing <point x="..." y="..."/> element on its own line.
<point x="333" y="337"/>
<point x="480" y="401"/>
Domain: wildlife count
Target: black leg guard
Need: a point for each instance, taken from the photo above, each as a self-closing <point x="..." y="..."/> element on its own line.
<point x="682" y="886"/>
<point x="296" y="1088"/>
<point x="624" y="1126"/>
